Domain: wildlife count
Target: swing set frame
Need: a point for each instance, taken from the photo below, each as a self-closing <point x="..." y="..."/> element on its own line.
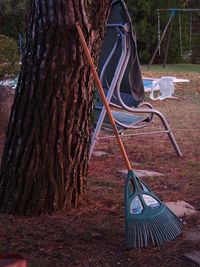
<point x="168" y="26"/>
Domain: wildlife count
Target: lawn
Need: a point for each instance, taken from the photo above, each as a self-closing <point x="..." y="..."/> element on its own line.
<point x="173" y="68"/>
<point x="93" y="234"/>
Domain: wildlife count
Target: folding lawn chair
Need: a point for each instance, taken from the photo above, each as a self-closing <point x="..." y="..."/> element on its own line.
<point x="121" y="79"/>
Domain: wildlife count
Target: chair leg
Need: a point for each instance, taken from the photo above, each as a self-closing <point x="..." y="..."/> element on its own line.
<point x="174" y="143"/>
<point x="169" y="132"/>
<point x="97" y="130"/>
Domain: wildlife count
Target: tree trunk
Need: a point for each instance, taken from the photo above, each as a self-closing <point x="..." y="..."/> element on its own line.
<point x="45" y="158"/>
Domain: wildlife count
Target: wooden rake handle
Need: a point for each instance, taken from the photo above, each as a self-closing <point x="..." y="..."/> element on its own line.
<point x="101" y="91"/>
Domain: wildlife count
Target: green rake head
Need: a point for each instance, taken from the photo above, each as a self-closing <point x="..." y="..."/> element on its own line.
<point x="148" y="220"/>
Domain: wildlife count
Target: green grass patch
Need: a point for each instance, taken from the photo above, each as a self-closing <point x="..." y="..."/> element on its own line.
<point x="174" y="68"/>
<point x="9" y="57"/>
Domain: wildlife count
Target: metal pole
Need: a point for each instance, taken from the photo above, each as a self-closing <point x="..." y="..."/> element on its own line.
<point x="167" y="45"/>
<point x="159" y="33"/>
<point x="190" y="33"/>
<point x="180" y="33"/>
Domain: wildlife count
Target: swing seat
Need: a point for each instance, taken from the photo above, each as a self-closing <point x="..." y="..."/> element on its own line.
<point x="122" y="82"/>
<point x="186" y="55"/>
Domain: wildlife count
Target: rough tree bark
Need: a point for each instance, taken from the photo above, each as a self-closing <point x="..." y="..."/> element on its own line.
<point x="45" y="158"/>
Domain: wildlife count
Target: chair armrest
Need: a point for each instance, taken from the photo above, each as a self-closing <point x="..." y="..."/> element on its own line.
<point x="145" y="104"/>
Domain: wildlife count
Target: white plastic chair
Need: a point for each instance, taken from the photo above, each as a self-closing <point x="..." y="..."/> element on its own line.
<point x="166" y="86"/>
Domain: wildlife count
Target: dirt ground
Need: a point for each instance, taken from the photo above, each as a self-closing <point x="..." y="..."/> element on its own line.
<point x="93" y="234"/>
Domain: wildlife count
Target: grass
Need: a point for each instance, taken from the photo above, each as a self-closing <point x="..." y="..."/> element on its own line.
<point x="174" y="68"/>
<point x="9" y="57"/>
<point x="93" y="234"/>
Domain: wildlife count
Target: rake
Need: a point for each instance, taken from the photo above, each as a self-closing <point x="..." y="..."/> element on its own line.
<point x="147" y="220"/>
